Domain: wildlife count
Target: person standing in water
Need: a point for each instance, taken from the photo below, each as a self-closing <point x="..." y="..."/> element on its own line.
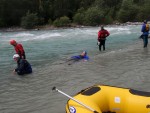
<point x="18" y="48"/>
<point x="102" y="34"/>
<point x="23" y="66"/>
<point x="144" y="36"/>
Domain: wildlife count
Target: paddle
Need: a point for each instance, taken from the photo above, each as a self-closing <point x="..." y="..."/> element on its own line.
<point x="54" y="88"/>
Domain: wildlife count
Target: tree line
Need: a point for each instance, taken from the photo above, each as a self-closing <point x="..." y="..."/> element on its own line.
<point x="31" y="13"/>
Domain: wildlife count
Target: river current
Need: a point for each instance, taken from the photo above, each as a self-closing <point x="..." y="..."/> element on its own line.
<point x="125" y="63"/>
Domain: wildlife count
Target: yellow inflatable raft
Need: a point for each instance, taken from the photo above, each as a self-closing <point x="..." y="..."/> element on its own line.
<point x="109" y="99"/>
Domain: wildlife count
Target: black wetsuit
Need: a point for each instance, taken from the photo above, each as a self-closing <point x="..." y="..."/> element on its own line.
<point x="23" y="67"/>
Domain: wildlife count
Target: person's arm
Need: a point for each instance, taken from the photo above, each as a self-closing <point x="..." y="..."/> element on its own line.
<point x="16" y="69"/>
<point x="143" y="28"/>
<point x="21" y="50"/>
<point x="107" y="33"/>
<point x="99" y="35"/>
<point x="17" y="50"/>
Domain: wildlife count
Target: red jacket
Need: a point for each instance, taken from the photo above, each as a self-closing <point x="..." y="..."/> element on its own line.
<point x="102" y="34"/>
<point x="19" y="50"/>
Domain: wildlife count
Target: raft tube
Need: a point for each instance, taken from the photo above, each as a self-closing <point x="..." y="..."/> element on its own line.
<point x="110" y="99"/>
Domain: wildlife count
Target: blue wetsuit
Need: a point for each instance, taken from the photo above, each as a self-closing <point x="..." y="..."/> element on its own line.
<point x="79" y="57"/>
<point x="144" y="35"/>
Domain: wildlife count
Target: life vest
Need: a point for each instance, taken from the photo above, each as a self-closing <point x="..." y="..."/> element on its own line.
<point x="146" y="27"/>
<point x="102" y="34"/>
<point x="19" y="50"/>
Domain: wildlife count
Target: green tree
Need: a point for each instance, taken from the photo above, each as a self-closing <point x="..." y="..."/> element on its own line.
<point x="108" y="20"/>
<point x="79" y="16"/>
<point x="1" y="23"/>
<point x="50" y="21"/>
<point x="62" y="22"/>
<point x="11" y="11"/>
<point x="29" y="21"/>
<point x="64" y="7"/>
<point x="86" y="3"/>
<point x="93" y="16"/>
<point x="128" y="11"/>
<point x="144" y="12"/>
<point x="94" y="11"/>
<point x="45" y="10"/>
<point x="109" y="7"/>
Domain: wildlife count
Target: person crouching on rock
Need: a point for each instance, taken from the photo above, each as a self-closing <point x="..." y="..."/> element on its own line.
<point x="23" y="66"/>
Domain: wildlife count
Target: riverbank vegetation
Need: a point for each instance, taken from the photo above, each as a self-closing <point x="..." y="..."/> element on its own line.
<point x="60" y="13"/>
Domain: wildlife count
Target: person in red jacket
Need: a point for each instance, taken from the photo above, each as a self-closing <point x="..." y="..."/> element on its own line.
<point x="18" y="48"/>
<point x="102" y="34"/>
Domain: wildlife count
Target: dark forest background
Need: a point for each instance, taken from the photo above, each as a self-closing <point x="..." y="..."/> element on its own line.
<point x="31" y="13"/>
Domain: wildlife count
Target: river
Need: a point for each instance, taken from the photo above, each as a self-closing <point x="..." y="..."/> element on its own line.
<point x="125" y="63"/>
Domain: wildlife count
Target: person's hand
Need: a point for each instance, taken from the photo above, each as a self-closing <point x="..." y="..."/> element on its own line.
<point x="14" y="72"/>
<point x="22" y="57"/>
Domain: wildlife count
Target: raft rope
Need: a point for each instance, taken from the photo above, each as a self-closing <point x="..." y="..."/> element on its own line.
<point x="54" y="88"/>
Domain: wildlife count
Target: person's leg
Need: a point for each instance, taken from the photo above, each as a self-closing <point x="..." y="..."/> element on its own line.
<point x="104" y="45"/>
<point x="145" y="40"/>
<point x="100" y="45"/>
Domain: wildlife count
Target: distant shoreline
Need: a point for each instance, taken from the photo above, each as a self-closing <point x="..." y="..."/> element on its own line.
<point x="49" y="27"/>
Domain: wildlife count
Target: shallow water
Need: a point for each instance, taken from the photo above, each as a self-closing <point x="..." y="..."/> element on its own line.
<point x="125" y="63"/>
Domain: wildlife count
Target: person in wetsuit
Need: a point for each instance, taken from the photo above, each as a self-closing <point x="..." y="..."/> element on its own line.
<point x="23" y="66"/>
<point x="82" y="56"/>
<point x="144" y="36"/>
<point x="102" y="34"/>
<point x="18" y="48"/>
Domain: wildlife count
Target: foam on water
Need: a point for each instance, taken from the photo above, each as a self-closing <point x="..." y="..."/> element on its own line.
<point x="23" y="34"/>
<point x="43" y="36"/>
<point x="26" y="36"/>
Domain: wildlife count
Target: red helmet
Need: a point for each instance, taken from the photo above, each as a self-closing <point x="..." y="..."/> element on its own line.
<point x="13" y="42"/>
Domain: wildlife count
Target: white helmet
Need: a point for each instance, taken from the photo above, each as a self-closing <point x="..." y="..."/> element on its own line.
<point x="16" y="56"/>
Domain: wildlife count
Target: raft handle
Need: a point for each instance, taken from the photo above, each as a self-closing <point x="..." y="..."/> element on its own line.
<point x="54" y="88"/>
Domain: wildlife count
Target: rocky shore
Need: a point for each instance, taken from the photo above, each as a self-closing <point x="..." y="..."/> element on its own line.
<point x="49" y="27"/>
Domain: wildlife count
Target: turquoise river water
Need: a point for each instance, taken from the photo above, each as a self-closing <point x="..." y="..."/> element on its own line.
<point x="125" y="63"/>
